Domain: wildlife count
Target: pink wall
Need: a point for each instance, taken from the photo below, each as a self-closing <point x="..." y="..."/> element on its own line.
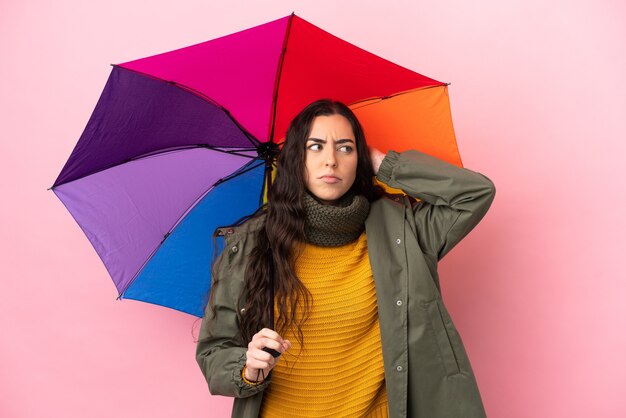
<point x="537" y="290"/>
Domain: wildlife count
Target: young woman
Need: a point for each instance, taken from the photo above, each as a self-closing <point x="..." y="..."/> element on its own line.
<point x="328" y="303"/>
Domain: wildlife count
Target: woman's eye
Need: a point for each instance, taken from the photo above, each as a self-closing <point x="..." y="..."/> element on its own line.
<point x="315" y="147"/>
<point x="346" y="148"/>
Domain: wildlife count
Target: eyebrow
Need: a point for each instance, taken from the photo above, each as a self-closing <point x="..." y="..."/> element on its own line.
<point x="323" y="141"/>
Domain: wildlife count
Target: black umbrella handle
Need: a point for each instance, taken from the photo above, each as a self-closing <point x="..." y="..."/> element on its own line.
<point x="271" y="289"/>
<point x="273" y="352"/>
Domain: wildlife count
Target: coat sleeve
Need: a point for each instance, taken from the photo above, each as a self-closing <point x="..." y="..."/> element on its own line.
<point x="219" y="352"/>
<point x="453" y="200"/>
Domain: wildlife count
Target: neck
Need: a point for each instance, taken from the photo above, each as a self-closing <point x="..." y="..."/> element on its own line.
<point x="343" y="201"/>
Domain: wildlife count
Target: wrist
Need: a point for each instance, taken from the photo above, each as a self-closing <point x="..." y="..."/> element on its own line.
<point x="385" y="170"/>
<point x="377" y="161"/>
<point x="248" y="379"/>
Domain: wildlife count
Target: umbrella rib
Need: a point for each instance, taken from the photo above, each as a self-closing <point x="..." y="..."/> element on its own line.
<point x="277" y="81"/>
<point x="244" y="169"/>
<point x="242" y="219"/>
<point x="366" y="102"/>
<point x="233" y="151"/>
<point x="238" y="172"/>
<point x="249" y="166"/>
<point x="191" y="90"/>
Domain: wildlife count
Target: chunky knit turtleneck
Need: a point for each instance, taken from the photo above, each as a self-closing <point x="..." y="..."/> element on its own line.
<point x="337" y="224"/>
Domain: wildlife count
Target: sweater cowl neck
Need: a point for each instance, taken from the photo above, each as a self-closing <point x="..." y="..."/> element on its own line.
<point x="333" y="225"/>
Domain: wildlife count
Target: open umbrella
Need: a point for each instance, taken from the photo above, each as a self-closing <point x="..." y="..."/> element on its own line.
<point x="182" y="142"/>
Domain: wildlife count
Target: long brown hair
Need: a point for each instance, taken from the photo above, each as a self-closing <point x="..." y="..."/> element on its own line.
<point x="278" y="240"/>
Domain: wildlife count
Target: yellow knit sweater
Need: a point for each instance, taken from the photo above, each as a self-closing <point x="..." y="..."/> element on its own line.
<point x="339" y="372"/>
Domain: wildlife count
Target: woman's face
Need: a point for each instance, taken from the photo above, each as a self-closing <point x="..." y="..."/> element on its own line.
<point x="330" y="158"/>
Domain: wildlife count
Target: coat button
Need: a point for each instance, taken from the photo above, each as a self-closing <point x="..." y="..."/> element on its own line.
<point x="399" y="368"/>
<point x="234" y="249"/>
<point x="398" y="241"/>
<point x="399" y="302"/>
<point x="243" y="310"/>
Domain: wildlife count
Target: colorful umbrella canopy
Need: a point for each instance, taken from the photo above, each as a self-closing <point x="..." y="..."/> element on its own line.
<point x="182" y="142"/>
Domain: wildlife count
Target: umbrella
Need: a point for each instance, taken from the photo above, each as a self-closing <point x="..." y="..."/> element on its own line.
<point x="183" y="142"/>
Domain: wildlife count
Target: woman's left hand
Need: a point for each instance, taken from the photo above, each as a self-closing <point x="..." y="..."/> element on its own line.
<point x="377" y="157"/>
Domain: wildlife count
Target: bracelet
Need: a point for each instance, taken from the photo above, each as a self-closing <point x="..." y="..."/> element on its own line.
<point x="243" y="376"/>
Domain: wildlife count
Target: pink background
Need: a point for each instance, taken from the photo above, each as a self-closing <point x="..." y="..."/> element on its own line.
<point x="537" y="291"/>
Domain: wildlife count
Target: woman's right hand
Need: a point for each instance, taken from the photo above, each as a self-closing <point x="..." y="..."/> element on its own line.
<point x="377" y="158"/>
<point x="257" y="359"/>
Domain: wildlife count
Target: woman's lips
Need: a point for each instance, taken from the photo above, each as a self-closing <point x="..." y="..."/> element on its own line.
<point x="330" y="179"/>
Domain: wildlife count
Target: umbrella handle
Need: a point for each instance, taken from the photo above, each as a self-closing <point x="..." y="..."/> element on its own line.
<point x="273" y="352"/>
<point x="271" y="284"/>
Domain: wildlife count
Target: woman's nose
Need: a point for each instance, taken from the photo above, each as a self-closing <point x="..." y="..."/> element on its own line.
<point x="331" y="161"/>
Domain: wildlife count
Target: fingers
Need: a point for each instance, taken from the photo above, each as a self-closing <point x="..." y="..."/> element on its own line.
<point x="260" y="360"/>
<point x="268" y="333"/>
<point x="270" y="339"/>
<point x="377" y="157"/>
<point x="256" y="358"/>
